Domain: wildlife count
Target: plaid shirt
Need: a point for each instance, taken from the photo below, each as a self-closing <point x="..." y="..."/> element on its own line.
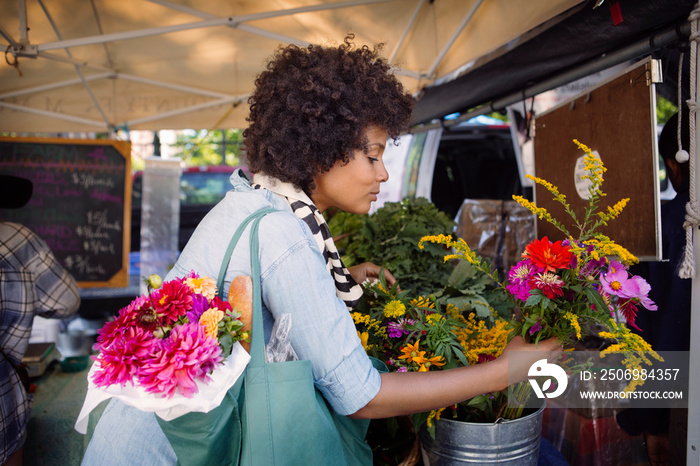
<point x="31" y="282"/>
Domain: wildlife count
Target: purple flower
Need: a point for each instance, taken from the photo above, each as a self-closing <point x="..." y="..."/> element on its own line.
<point x="617" y="282"/>
<point x="535" y="328"/>
<point x="592" y="267"/>
<point x="398" y="329"/>
<point x="519" y="279"/>
<point x="199" y="304"/>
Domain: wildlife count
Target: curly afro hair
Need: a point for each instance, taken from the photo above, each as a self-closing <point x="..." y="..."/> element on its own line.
<point x="312" y="105"/>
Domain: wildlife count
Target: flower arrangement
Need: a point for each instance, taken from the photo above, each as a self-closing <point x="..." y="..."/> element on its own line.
<point x="569" y="289"/>
<point x="169" y="339"/>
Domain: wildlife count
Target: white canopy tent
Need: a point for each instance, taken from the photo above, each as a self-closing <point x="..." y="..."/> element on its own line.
<point x="76" y="65"/>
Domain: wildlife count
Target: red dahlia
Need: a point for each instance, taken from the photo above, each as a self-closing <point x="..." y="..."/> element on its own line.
<point x="548" y="256"/>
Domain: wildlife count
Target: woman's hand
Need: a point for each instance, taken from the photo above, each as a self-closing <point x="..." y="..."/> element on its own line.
<point x="528" y="354"/>
<point x="362" y="272"/>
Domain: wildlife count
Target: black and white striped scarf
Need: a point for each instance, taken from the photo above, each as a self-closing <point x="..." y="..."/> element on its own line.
<point x="303" y="207"/>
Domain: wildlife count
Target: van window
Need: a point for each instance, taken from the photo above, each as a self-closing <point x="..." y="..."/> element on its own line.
<point x="201" y="188"/>
<point x="479" y="165"/>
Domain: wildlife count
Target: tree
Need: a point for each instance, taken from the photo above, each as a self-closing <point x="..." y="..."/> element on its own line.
<point x="204" y="147"/>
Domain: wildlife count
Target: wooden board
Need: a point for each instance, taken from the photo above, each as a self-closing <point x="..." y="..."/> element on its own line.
<point x="618" y="120"/>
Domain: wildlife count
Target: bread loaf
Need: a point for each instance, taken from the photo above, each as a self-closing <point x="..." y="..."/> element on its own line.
<point x="240" y="297"/>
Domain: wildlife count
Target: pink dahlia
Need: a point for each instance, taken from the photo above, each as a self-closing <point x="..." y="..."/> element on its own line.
<point x="121" y="359"/>
<point x="116" y="328"/>
<point x="173" y="300"/>
<point x="186" y="355"/>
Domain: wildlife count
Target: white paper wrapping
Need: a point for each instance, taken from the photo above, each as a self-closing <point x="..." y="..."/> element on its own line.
<point x="209" y="396"/>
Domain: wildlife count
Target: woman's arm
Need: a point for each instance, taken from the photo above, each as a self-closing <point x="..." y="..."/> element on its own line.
<point x="403" y="393"/>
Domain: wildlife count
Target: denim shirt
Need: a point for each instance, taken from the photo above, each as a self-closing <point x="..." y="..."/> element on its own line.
<point x="294" y="280"/>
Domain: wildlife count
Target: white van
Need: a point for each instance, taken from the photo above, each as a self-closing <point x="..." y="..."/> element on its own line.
<point x="471" y="160"/>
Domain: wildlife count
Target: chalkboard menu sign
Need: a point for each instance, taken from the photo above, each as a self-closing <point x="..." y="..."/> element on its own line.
<point x="81" y="204"/>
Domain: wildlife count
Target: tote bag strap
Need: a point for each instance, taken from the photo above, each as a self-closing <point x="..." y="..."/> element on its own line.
<point x="257" y="349"/>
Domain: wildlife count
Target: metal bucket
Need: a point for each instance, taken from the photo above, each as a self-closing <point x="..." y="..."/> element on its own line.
<point x="515" y="442"/>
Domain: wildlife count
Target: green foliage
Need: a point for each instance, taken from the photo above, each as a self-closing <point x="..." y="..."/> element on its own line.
<point x="229" y="331"/>
<point x="389" y="237"/>
<point x="664" y="110"/>
<point x="471" y="290"/>
<point x="203" y="147"/>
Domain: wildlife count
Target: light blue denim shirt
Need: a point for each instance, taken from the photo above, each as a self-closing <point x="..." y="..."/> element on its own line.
<point x="294" y="281"/>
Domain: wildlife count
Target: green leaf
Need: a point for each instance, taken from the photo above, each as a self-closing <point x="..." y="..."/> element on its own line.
<point x="480" y="401"/>
<point x="226" y="343"/>
<point x="460" y="355"/>
<point x="419" y="419"/>
<point x="534" y="299"/>
<point x="595" y="298"/>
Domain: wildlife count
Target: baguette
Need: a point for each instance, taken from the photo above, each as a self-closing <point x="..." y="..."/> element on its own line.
<point x="240" y="297"/>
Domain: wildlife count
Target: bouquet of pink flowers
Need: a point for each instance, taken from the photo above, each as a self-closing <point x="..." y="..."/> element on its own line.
<point x="172" y="351"/>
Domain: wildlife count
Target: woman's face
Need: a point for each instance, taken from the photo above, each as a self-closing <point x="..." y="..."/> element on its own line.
<point x="352" y="187"/>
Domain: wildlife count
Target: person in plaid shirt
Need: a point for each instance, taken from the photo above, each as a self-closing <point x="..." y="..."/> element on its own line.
<point x="31" y="282"/>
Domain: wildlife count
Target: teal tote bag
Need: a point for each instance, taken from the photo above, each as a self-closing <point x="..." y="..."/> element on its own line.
<point x="273" y="415"/>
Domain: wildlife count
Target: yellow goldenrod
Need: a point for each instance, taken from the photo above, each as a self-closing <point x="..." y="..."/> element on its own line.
<point x="434" y="414"/>
<point x="633" y="347"/>
<point x="574" y="322"/>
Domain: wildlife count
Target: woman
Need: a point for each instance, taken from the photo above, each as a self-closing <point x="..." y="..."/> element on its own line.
<point x="319" y="122"/>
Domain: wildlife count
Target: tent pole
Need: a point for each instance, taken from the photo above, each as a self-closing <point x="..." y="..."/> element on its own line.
<point x="193" y="108"/>
<point x="693" y="436"/>
<point x="76" y="67"/>
<point x="23" y="28"/>
<point x="453" y="38"/>
<point x="57" y="85"/>
<point x="60" y="116"/>
<point x="408" y="27"/>
<point x="212" y="22"/>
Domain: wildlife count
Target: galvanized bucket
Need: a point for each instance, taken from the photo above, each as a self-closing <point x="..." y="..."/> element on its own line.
<point x="515" y="442"/>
